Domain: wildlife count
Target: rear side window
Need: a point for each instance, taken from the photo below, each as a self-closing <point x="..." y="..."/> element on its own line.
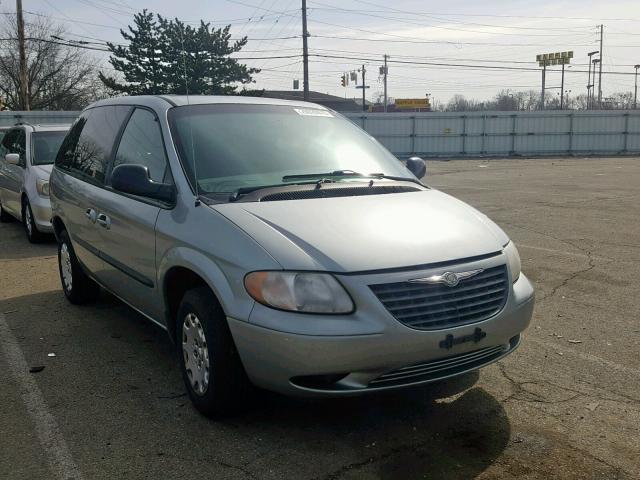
<point x="88" y="147"/>
<point x="141" y="144"/>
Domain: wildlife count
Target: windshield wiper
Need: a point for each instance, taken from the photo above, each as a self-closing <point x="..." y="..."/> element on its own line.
<point x="245" y="190"/>
<point x="335" y="173"/>
<point x="351" y="173"/>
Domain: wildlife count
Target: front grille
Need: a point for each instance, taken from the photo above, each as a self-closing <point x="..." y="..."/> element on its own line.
<point x="441" y="368"/>
<point x="432" y="307"/>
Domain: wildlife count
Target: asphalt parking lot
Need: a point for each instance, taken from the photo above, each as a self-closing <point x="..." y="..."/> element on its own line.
<point x="111" y="403"/>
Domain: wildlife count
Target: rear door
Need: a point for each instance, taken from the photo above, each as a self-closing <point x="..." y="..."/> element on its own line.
<point x="84" y="158"/>
<point x="127" y="235"/>
<point x="12" y="176"/>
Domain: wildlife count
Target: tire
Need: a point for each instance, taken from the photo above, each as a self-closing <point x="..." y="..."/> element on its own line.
<point x="211" y="367"/>
<point x="76" y="284"/>
<point x="30" y="228"/>
<point x="5" y="217"/>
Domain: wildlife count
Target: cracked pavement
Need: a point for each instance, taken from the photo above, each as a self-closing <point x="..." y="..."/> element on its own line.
<point x="565" y="405"/>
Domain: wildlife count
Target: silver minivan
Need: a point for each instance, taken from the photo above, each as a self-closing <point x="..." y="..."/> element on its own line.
<point x="280" y="246"/>
<point x="27" y="153"/>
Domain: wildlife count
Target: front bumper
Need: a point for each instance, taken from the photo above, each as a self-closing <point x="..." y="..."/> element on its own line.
<point x="41" y="208"/>
<point x="318" y="364"/>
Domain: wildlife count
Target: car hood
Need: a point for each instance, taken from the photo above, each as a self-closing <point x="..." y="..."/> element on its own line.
<point x="43" y="171"/>
<point x="373" y="232"/>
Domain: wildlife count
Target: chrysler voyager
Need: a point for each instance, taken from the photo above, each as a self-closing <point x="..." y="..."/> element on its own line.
<point x="280" y="246"/>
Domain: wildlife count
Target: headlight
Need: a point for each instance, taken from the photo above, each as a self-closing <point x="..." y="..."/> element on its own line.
<point x="513" y="259"/>
<point x="43" y="187"/>
<point x="299" y="292"/>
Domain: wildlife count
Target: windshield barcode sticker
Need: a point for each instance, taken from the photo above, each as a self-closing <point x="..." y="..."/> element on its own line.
<point x="313" y="112"/>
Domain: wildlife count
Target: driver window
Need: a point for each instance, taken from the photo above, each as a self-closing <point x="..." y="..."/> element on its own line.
<point x="15" y="142"/>
<point x="141" y="144"/>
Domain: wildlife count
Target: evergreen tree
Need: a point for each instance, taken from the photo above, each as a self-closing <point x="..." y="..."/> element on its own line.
<point x="169" y="57"/>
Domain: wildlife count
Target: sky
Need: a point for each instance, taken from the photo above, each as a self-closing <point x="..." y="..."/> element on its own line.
<point x="432" y="45"/>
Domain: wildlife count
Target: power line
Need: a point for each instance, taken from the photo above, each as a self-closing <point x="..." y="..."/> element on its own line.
<point x="455" y="65"/>
<point x="499" y="15"/>
<point x="453" y="43"/>
<point x="369" y="14"/>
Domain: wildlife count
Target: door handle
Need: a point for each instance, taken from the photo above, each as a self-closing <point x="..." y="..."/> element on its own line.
<point x="104" y="221"/>
<point x="91" y="214"/>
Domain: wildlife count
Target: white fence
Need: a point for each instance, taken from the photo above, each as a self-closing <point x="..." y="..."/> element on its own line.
<point x="469" y="134"/>
<point x="472" y="134"/>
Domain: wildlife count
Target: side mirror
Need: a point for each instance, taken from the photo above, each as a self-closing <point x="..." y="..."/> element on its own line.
<point x="417" y="166"/>
<point x="12" y="158"/>
<point x="134" y="179"/>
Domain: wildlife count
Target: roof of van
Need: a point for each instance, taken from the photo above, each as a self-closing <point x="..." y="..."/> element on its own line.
<point x="180" y="100"/>
<point x="42" y="127"/>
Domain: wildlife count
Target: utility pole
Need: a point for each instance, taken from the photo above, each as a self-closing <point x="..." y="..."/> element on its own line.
<point x="635" y="95"/>
<point x="385" y="82"/>
<point x="600" y="69"/>
<point x="589" y="84"/>
<point x="24" y="88"/>
<point x="305" y="52"/>
<point x="385" y="71"/>
<point x="364" y="106"/>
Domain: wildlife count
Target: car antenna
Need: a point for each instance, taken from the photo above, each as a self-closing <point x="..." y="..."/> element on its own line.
<point x="186" y="89"/>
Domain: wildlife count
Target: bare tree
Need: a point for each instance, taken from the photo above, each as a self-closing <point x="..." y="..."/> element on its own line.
<point x="59" y="76"/>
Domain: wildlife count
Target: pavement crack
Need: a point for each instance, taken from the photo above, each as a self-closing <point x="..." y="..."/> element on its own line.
<point x="522" y="394"/>
<point x="336" y="474"/>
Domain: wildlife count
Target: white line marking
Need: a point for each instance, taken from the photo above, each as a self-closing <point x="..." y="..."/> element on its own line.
<point x="60" y="461"/>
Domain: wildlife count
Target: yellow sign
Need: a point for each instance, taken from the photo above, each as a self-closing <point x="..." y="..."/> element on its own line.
<point x="412" y="103"/>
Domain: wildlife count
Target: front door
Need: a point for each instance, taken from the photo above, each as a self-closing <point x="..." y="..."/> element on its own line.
<point x="12" y="176"/>
<point x="127" y="225"/>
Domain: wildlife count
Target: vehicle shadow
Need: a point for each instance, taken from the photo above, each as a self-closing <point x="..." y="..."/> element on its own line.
<point x="110" y="359"/>
<point x="445" y="430"/>
<point x="15" y="246"/>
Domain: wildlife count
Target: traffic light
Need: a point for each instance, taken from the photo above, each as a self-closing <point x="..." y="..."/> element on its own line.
<point x="343" y="80"/>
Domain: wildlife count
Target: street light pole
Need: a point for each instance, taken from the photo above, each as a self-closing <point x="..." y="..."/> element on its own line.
<point x="562" y="90"/>
<point x="635" y="95"/>
<point x="595" y="62"/>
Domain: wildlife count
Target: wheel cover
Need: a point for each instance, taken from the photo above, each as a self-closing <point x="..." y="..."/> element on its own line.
<point x="27" y="220"/>
<point x="195" y="353"/>
<point x="65" y="267"/>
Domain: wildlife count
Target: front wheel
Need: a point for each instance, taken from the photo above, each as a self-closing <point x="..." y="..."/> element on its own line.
<point x="33" y="234"/>
<point x="76" y="284"/>
<point x="210" y="364"/>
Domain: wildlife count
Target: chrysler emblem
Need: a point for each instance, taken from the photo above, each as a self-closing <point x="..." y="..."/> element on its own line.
<point x="450" y="279"/>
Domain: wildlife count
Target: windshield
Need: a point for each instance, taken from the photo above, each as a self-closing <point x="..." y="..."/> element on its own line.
<point x="45" y="146"/>
<point x="231" y="146"/>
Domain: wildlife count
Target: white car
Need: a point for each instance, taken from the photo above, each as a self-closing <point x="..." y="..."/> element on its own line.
<point x="27" y="153"/>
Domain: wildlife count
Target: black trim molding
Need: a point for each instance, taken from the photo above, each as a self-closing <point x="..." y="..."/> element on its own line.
<point x="147" y="282"/>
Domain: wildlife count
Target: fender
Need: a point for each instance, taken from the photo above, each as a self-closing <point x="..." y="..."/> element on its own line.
<point x="233" y="298"/>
